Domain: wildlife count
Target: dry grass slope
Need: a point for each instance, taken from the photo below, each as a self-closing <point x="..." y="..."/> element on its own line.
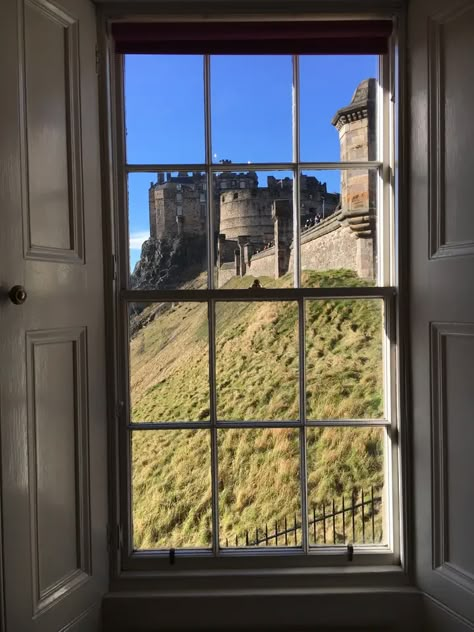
<point x="257" y="378"/>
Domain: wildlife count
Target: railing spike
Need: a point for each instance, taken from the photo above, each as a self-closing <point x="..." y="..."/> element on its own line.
<point x="343" y="520"/>
<point x="373" y="512"/>
<point x="353" y="517"/>
<point x="363" y="517"/>
<point x="324" y="522"/>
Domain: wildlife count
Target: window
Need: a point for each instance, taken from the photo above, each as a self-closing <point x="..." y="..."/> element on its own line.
<point x="258" y="380"/>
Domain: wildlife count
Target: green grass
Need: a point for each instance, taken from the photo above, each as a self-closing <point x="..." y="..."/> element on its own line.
<point x="257" y="377"/>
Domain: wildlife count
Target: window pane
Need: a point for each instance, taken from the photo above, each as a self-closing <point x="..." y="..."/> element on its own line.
<point x="168" y="230"/>
<point x="259" y="487"/>
<point x="164" y="109"/>
<point x="171" y="489"/>
<point x="344" y="360"/>
<point x="345" y="485"/>
<point x="337" y="107"/>
<point x="254" y="215"/>
<point x="257" y="361"/>
<point x="338" y="227"/>
<point x="251" y="108"/>
<point x="169" y="355"/>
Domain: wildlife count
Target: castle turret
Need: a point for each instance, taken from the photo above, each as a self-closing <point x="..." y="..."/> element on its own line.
<point x="356" y="124"/>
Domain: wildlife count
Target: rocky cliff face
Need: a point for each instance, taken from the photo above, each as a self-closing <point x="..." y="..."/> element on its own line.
<point x="168" y="263"/>
<point x="164" y="264"/>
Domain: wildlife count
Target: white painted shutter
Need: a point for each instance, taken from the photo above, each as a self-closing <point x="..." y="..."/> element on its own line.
<point x="52" y="347"/>
<point x="441" y="231"/>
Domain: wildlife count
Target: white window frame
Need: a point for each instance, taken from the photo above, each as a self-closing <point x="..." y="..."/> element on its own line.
<point x="274" y="560"/>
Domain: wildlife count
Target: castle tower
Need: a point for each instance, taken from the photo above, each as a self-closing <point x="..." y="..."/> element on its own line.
<point x="177" y="206"/>
<point x="356" y="124"/>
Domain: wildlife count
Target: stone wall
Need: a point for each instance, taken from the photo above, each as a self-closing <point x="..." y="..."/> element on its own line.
<point x="340" y="241"/>
<point x="225" y="273"/>
<point x="330" y="245"/>
<point x="263" y="264"/>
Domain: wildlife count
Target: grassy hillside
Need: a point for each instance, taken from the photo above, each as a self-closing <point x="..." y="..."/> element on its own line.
<point x="257" y="378"/>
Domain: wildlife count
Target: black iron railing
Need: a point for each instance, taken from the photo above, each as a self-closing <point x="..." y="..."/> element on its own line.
<point x="344" y="520"/>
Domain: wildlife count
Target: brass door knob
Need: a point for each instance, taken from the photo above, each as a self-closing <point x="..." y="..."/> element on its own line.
<point x="17" y="295"/>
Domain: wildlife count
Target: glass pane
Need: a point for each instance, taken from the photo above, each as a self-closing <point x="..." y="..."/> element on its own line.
<point x="254" y="226"/>
<point x="345" y="485"/>
<point x="344" y="359"/>
<point x="171" y="489"/>
<point x="338" y="117"/>
<point x="169" y="354"/>
<point x="338" y="227"/>
<point x="257" y="361"/>
<point x="164" y="109"/>
<point x="259" y="487"/>
<point x="251" y="108"/>
<point x="168" y="230"/>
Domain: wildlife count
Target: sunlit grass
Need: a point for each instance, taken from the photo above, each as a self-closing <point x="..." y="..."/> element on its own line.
<point x="257" y="378"/>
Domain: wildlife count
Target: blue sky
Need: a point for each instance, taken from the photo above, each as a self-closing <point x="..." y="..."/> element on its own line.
<point x="250" y="113"/>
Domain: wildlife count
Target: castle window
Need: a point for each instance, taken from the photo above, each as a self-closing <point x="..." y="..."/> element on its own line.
<point x="260" y="418"/>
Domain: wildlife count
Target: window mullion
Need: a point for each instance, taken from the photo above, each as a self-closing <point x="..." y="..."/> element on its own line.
<point x="213" y="419"/>
<point x="296" y="158"/>
<point x="211" y="308"/>
<point x="210" y="196"/>
<point x="302" y="406"/>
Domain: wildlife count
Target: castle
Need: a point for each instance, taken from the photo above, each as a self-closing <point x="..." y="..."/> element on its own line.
<point x="254" y="224"/>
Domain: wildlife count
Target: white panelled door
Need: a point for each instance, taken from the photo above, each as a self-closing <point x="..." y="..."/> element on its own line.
<point x="52" y="356"/>
<point x="441" y="86"/>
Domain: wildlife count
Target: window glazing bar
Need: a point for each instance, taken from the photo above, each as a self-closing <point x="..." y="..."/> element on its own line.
<point x="257" y="294"/>
<point x="206" y="425"/>
<point x="254" y="166"/>
<point x="348" y="423"/>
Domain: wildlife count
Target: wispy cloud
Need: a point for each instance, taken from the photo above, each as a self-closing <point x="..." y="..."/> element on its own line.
<point x="137" y="239"/>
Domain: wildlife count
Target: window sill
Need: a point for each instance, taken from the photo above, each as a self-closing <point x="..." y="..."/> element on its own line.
<point x="371" y="598"/>
<point x="237" y="581"/>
